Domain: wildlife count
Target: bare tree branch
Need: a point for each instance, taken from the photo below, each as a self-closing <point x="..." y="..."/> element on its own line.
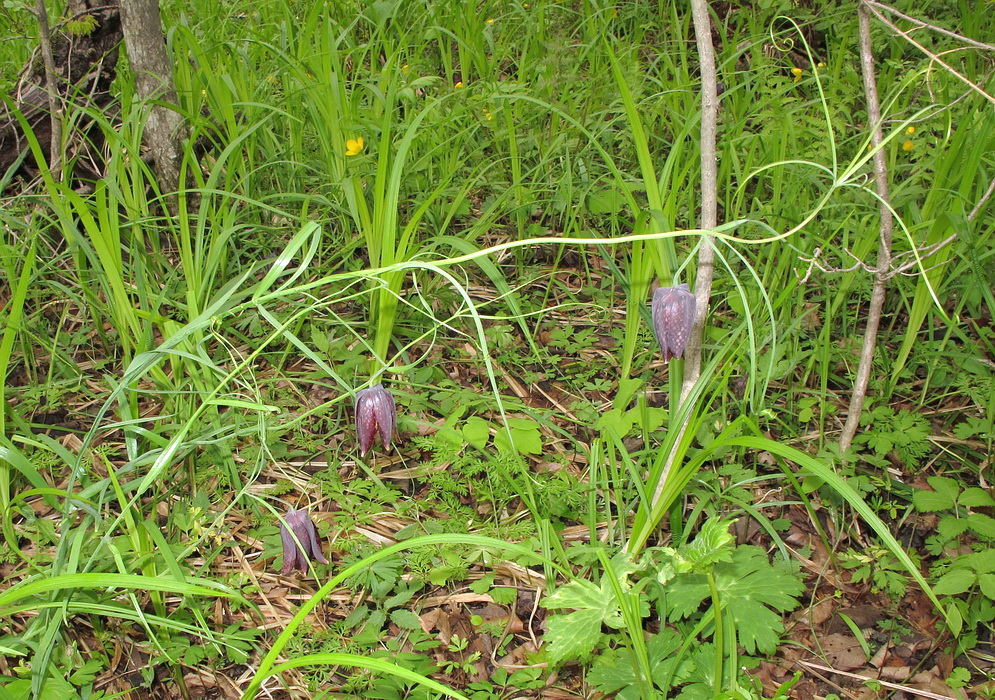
<point x="709" y="213"/>
<point x="926" y="25"/>
<point x="883" y="270"/>
<point x="981" y="203"/>
<point x="709" y="189"/>
<point x="912" y="260"/>
<point x="51" y="86"/>
<point x="871" y="7"/>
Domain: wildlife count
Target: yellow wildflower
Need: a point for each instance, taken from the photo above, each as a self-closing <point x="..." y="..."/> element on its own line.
<point x="490" y="21"/>
<point x="458" y="85"/>
<point x="797" y="72"/>
<point x="911" y="130"/>
<point x="405" y="69"/>
<point x="353" y="147"/>
<point x="908" y="146"/>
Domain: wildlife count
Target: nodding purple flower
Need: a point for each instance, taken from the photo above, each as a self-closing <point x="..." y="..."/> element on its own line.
<point x="297" y="556"/>
<point x="673" y="317"/>
<point x="376" y="412"/>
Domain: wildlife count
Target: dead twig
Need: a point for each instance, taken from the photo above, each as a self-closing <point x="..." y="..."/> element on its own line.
<point x="709" y="211"/>
<point x="872" y="7"/>
<point x="51" y="87"/>
<point x="926" y="25"/>
<point x="912" y="260"/>
<point x="881" y="273"/>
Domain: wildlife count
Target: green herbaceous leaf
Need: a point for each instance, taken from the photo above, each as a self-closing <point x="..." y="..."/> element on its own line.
<point x="975" y="497"/>
<point x="881" y="443"/>
<point x="87" y="672"/>
<point x="943" y="497"/>
<point x="613" y="672"/>
<point x="709" y="547"/>
<point x="954" y="582"/>
<point x="959" y="677"/>
<point x="945" y="485"/>
<point x="700" y="682"/>
<point x="441" y="575"/>
<point x="525" y="435"/>
<point x="973" y="426"/>
<point x="984" y="561"/>
<point x="967" y="570"/>
<point x="951" y="527"/>
<point x="581" y="594"/>
<point x="986" y="582"/>
<point x="405" y="619"/>
<point x="982" y="525"/>
<point x="55" y="688"/>
<point x="616" y="419"/>
<point x="576" y="634"/>
<point x="931" y="501"/>
<point x="477" y="432"/>
<point x="482" y="585"/>
<point x="750" y="589"/>
<point x="572" y="636"/>
<point x="504" y="595"/>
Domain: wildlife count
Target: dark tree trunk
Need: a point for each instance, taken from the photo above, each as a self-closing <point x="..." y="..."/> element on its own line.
<point x="85" y="62"/>
<point x="150" y="62"/>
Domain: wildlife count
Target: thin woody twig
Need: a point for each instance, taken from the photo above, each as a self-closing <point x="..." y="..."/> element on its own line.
<point x="52" y="88"/>
<point x="981" y="203"/>
<point x="709" y="189"/>
<point x="709" y="212"/>
<point x="950" y="69"/>
<point x="886" y="229"/>
<point x="925" y="252"/>
<point x="927" y="25"/>
<point x="916" y="257"/>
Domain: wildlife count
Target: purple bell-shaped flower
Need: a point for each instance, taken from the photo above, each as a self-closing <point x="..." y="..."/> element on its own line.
<point x="297" y="556"/>
<point x="376" y="413"/>
<point x="673" y="317"/>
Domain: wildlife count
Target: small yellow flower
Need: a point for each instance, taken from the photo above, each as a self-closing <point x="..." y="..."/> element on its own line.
<point x="353" y="147"/>
<point x="458" y="85"/>
<point x="797" y="72"/>
<point x="490" y="21"/>
<point x="405" y="69"/>
<point x="908" y="146"/>
<point x="911" y="130"/>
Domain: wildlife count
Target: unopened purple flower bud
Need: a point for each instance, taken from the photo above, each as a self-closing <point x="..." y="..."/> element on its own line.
<point x="297" y="556"/>
<point x="673" y="317"/>
<point x="375" y="413"/>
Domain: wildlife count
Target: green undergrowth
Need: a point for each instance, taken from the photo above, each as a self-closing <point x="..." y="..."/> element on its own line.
<point x="469" y="204"/>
